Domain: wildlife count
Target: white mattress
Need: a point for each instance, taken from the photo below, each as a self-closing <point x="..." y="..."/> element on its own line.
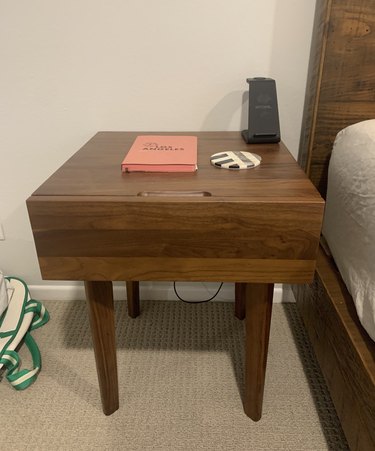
<point x="349" y="220"/>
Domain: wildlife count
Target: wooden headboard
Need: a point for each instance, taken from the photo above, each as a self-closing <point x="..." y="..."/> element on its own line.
<point x="341" y="80"/>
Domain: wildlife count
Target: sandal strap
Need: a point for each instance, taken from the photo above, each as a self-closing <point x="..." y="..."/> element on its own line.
<point x="37" y="316"/>
<point x="41" y="315"/>
<point x="21" y="379"/>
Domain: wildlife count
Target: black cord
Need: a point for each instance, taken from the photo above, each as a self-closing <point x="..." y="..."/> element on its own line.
<point x="196" y="302"/>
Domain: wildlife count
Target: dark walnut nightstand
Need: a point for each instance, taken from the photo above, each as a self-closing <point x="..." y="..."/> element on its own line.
<point x="253" y="227"/>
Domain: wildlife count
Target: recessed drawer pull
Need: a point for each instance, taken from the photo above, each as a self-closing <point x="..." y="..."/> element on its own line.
<point x="174" y="194"/>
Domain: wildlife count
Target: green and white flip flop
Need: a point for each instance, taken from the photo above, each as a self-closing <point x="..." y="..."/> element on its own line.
<point x="22" y="315"/>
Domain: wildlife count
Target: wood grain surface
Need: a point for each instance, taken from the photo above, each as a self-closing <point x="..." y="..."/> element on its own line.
<point x="99" y="296"/>
<point x="341" y="81"/>
<point x="89" y="218"/>
<point x="258" y="323"/>
<point x="345" y="352"/>
<point x="340" y="92"/>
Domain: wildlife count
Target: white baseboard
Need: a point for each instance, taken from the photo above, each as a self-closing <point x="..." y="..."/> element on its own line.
<point x="192" y="291"/>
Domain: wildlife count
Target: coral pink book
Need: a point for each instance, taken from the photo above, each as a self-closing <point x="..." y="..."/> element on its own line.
<point x="159" y="153"/>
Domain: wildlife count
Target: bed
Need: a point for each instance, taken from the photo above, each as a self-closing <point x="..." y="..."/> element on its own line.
<point x="338" y="134"/>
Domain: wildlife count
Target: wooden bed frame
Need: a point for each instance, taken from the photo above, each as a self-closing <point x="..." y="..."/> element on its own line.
<point x="340" y="92"/>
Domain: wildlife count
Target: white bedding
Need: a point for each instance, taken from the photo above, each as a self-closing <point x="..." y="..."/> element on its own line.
<point x="349" y="220"/>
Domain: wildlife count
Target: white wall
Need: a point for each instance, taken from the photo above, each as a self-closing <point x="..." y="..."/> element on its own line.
<point x="69" y="69"/>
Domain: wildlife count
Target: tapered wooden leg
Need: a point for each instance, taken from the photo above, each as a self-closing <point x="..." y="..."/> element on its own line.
<point x="239" y="300"/>
<point x="132" y="294"/>
<point x="99" y="297"/>
<point x="258" y="322"/>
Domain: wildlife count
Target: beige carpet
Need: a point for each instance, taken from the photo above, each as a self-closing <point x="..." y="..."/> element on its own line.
<point x="180" y="377"/>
